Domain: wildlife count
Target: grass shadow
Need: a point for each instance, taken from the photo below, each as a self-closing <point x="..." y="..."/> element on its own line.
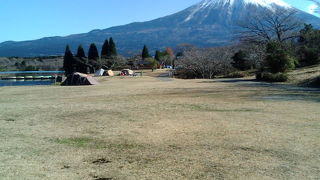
<point x="275" y="91"/>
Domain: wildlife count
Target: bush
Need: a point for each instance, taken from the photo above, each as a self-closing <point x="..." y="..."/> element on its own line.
<point x="240" y="61"/>
<point x="237" y="74"/>
<point x="310" y="56"/>
<point x="278" y="59"/>
<point x="272" y="77"/>
<point x="153" y="63"/>
<point x="186" y="74"/>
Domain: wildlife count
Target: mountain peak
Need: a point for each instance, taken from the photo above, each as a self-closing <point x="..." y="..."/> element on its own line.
<point x="263" y="3"/>
<point x="229" y="5"/>
<point x="205" y="24"/>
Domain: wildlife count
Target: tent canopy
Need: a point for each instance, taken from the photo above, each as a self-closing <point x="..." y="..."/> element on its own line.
<point x="99" y="72"/>
<point x="79" y="79"/>
<point x="127" y="72"/>
<point x="110" y="73"/>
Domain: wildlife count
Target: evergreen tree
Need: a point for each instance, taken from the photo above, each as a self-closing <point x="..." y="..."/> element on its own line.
<point x="157" y="55"/>
<point x="113" y="48"/>
<point x="309" y="46"/>
<point x="240" y="61"/>
<point x="105" y="51"/>
<point x="80" y="61"/>
<point x="93" y="53"/>
<point x="278" y="59"/>
<point x="309" y="56"/>
<point x="145" y="52"/>
<point x="80" y="52"/>
<point x="93" y="56"/>
<point x="68" y="64"/>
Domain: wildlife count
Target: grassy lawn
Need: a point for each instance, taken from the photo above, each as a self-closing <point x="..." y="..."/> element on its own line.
<point x="305" y="76"/>
<point x="149" y="128"/>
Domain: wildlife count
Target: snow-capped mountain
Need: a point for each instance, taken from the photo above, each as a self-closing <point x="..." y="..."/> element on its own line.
<point x="208" y="23"/>
<point x="262" y="3"/>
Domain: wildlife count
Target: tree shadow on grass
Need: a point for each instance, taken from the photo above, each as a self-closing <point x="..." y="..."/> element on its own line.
<point x="279" y="92"/>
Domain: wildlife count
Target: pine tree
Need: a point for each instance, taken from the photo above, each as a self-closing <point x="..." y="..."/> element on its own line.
<point x="145" y="52"/>
<point x="93" y="53"/>
<point x="105" y="51"/>
<point x="309" y="46"/>
<point x="80" y="52"/>
<point x="93" y="56"/>
<point x="113" y="48"/>
<point x="80" y="61"/>
<point x="68" y="64"/>
<point x="157" y="55"/>
<point x="278" y="59"/>
<point x="240" y="61"/>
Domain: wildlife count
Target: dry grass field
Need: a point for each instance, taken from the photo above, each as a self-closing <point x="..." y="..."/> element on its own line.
<point x="150" y="128"/>
<point x="305" y="76"/>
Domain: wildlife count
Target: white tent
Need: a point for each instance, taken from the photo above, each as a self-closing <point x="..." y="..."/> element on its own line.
<point x="110" y="73"/>
<point x="127" y="72"/>
<point x="99" y="72"/>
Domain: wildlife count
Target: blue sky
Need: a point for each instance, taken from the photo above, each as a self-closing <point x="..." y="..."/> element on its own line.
<point x="33" y="19"/>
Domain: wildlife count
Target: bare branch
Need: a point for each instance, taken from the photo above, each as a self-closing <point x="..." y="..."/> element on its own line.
<point x="207" y="63"/>
<point x="279" y="25"/>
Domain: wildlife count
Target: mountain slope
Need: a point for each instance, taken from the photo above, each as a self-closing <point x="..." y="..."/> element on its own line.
<point x="208" y="23"/>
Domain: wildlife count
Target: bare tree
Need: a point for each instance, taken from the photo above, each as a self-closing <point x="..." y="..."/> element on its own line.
<point x="256" y="52"/>
<point x="113" y="63"/>
<point x="278" y="25"/>
<point x="206" y="63"/>
<point x="183" y="47"/>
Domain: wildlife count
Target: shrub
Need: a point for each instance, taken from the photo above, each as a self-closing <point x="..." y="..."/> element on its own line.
<point x="310" y="56"/>
<point x="237" y="74"/>
<point x="272" y="77"/>
<point x="240" y="61"/>
<point x="153" y="63"/>
<point x="186" y="74"/>
<point x="278" y="59"/>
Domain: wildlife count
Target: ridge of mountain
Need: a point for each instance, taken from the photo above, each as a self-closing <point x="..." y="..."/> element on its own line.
<point x="207" y="23"/>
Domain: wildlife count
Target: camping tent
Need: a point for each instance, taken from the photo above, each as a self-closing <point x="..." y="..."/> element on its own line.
<point x="78" y="79"/>
<point x="110" y="73"/>
<point x="127" y="72"/>
<point x="99" y="72"/>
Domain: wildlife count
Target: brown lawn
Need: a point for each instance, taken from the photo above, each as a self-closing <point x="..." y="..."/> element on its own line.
<point x="150" y="128"/>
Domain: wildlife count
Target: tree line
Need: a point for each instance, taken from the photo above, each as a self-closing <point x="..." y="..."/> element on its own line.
<point x="272" y="44"/>
<point x="108" y="58"/>
<point x="89" y="64"/>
